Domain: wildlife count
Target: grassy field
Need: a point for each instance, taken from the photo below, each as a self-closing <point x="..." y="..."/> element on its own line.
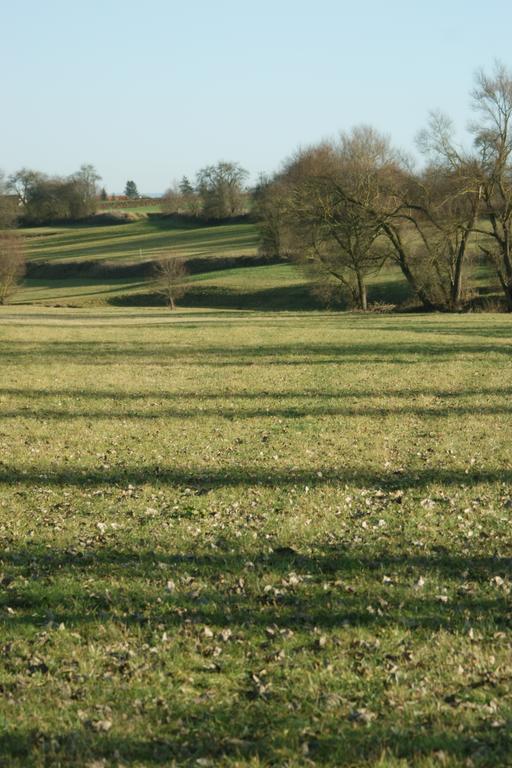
<point x="281" y="287"/>
<point x="235" y="539"/>
<point x="146" y="239"/>
<point x="241" y="281"/>
<point x="272" y="287"/>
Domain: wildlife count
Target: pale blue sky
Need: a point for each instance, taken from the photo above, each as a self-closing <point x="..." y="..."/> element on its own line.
<point x="154" y="90"/>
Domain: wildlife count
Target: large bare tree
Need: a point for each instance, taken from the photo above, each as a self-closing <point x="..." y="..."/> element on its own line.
<point x="492" y="131"/>
<point x="441" y="204"/>
<point x="334" y="229"/>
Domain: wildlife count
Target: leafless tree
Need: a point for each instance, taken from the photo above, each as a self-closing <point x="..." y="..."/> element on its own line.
<point x="221" y="190"/>
<point x="171" y="279"/>
<point x="12" y="264"/>
<point x="441" y="205"/>
<point x="334" y="229"/>
<point x="86" y="181"/>
<point x="492" y="131"/>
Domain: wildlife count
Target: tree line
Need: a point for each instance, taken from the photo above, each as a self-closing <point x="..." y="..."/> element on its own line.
<point x="218" y="193"/>
<point x="344" y="208"/>
<point x="42" y="198"/>
<point x="31" y="197"/>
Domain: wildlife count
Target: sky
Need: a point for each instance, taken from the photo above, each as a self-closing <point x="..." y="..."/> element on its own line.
<point x="154" y="91"/>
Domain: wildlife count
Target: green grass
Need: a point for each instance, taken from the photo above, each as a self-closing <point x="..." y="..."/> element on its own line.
<point x="272" y="287"/>
<point x="281" y="287"/>
<point x="77" y="291"/>
<point x="223" y="286"/>
<point x="234" y="539"/>
<point x="146" y="239"/>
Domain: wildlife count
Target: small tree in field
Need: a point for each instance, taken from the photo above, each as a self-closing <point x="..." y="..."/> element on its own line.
<point x="171" y="279"/>
<point x="12" y="264"/>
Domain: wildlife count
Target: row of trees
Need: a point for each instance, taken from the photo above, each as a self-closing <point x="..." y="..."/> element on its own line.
<point x="344" y="208"/>
<point x="218" y="193"/>
<point x="36" y="198"/>
<point x="44" y="198"/>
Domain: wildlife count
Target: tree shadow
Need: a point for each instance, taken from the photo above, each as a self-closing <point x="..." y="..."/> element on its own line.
<point x="261" y="740"/>
<point x="207" y="478"/>
<point x="326" y="595"/>
<point x="220" y="356"/>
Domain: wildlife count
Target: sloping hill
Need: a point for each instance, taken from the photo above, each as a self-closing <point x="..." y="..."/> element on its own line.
<point x="143" y="239"/>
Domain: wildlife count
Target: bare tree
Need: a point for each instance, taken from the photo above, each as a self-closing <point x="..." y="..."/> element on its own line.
<point x="86" y="180"/>
<point x="12" y="264"/>
<point x="492" y="131"/>
<point x="171" y="279"/>
<point x="440" y="207"/>
<point x="335" y="231"/>
<point x="221" y="189"/>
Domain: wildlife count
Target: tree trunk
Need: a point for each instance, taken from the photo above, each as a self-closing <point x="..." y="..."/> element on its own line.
<point x="361" y="292"/>
<point x="456" y="286"/>
<point x="418" y="290"/>
<point x="401" y="260"/>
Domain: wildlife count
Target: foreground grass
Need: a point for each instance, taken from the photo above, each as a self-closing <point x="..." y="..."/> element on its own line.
<point x="230" y="540"/>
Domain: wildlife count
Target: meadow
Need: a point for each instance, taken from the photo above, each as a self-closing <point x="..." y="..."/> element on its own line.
<point x="145" y="238"/>
<point x="247" y="539"/>
<point x="66" y="263"/>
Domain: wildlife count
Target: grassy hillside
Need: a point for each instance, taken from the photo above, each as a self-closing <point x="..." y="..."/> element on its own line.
<point x="277" y="286"/>
<point x="143" y="239"/>
<point x="240" y="541"/>
<point x="280" y="286"/>
<point x="64" y="251"/>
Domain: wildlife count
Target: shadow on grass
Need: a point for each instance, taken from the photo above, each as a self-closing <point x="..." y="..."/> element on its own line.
<point x="237" y="412"/>
<point x="304" y="393"/>
<point x="213" y="741"/>
<point x="303" y="354"/>
<point x="49" y="570"/>
<point x="289" y="404"/>
<point x="278" y="298"/>
<point x="51" y="584"/>
<point x="207" y="478"/>
<point x="482" y="328"/>
<point x="261" y="738"/>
